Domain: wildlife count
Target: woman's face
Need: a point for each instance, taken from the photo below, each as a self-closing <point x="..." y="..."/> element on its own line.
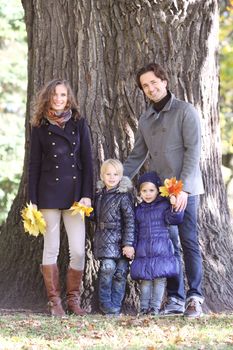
<point x="59" y="99"/>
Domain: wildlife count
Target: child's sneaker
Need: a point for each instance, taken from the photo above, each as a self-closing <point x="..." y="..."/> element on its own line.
<point x="143" y="312"/>
<point x="173" y="307"/>
<point x="153" y="311"/>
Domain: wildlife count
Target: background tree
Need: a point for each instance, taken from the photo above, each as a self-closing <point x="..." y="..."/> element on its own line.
<point x="13" y="56"/>
<point x="98" y="46"/>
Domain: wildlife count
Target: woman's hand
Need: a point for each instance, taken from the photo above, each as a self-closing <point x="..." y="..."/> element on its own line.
<point x="85" y="201"/>
<point x="34" y="206"/>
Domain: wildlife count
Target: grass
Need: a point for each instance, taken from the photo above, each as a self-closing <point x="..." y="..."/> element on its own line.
<point x="27" y="331"/>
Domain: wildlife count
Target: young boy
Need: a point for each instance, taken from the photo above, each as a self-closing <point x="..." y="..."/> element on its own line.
<point x="114" y="235"/>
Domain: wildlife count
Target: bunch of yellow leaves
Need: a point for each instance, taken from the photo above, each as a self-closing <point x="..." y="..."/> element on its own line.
<point x="172" y="187"/>
<point x="83" y="210"/>
<point x="33" y="220"/>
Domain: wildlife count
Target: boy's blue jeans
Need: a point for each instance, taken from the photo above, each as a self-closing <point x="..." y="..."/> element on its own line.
<point x="112" y="283"/>
<point x="186" y="234"/>
<point x="152" y="293"/>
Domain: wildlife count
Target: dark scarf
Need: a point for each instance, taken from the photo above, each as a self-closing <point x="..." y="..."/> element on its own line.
<point x="158" y="106"/>
<point x="59" y="119"/>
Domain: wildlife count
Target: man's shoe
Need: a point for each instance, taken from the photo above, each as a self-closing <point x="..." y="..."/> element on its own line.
<point x="172" y="307"/>
<point x="193" y="308"/>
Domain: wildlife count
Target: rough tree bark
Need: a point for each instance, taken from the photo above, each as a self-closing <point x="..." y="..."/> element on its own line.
<point x="98" y="45"/>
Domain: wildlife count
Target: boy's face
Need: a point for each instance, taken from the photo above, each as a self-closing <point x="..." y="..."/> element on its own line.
<point x="111" y="177"/>
<point x="148" y="192"/>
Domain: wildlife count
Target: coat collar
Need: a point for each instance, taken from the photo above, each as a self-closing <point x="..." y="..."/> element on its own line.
<point x="125" y="185"/>
<point x="157" y="200"/>
<point x="150" y="111"/>
<point x="70" y="126"/>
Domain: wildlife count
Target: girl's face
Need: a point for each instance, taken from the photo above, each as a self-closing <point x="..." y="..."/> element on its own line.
<point x="59" y="99"/>
<point x="111" y="177"/>
<point x="148" y="192"/>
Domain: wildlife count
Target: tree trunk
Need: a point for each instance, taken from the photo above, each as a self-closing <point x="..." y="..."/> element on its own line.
<point x="98" y="46"/>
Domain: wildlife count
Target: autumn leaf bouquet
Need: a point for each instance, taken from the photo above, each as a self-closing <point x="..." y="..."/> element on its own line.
<point x="33" y="220"/>
<point x="83" y="210"/>
<point x="171" y="188"/>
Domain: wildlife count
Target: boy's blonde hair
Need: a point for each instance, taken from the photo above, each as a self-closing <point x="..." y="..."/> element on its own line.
<point x="115" y="163"/>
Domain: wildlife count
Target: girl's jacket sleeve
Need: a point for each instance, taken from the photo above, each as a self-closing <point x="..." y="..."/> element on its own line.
<point x="173" y="217"/>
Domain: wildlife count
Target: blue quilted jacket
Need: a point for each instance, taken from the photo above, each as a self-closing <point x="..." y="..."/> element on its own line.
<point x="154" y="251"/>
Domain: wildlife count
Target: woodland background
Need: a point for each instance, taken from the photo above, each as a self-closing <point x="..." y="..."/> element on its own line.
<point x="13" y="94"/>
<point x="22" y="252"/>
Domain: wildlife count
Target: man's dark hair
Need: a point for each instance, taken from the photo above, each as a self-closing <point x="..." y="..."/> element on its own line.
<point x="151" y="67"/>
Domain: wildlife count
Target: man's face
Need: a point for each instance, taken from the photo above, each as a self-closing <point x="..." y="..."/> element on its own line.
<point x="154" y="88"/>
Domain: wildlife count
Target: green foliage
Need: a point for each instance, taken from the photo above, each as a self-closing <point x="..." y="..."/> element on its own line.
<point x="226" y="78"/>
<point x="13" y="57"/>
<point x="11" y="159"/>
<point x="13" y="77"/>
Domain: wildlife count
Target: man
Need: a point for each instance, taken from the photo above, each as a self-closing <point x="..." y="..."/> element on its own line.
<point x="169" y="135"/>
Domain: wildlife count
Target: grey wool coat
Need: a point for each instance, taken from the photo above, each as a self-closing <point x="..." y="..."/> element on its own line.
<point x="172" y="141"/>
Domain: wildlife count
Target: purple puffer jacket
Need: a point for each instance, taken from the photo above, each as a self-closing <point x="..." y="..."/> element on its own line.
<point x="154" y="251"/>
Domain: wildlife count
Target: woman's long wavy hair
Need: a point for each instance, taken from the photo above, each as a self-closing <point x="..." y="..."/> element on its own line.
<point x="43" y="101"/>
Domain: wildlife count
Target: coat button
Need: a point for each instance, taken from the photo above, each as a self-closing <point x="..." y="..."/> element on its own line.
<point x="56" y="166"/>
<point x="71" y="154"/>
<point x="73" y="132"/>
<point x="55" y="156"/>
<point x="74" y="177"/>
<point x="53" y="143"/>
<point x="74" y="143"/>
<point x="57" y="178"/>
<point x="50" y="133"/>
<point x="72" y="165"/>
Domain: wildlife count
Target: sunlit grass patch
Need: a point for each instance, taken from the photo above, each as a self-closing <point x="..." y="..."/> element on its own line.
<point x="96" y="332"/>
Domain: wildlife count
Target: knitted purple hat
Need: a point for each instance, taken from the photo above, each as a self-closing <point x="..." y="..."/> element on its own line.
<point x="150" y="177"/>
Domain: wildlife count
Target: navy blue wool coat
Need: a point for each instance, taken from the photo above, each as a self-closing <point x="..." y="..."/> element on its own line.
<point x="154" y="251"/>
<point x="60" y="165"/>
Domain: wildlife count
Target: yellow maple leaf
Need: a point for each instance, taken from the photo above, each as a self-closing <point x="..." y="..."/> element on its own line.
<point x="33" y="220"/>
<point x="172" y="187"/>
<point x="83" y="210"/>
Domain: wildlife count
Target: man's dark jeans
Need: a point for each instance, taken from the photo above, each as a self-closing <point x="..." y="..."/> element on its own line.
<point x="186" y="234"/>
<point x="112" y="283"/>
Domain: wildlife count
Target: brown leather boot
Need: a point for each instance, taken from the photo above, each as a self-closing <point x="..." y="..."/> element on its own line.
<point x="51" y="280"/>
<point x="73" y="284"/>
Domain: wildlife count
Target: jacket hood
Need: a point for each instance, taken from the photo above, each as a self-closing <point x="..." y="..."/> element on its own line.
<point x="125" y="185"/>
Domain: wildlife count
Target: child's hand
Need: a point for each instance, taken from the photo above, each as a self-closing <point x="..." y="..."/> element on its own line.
<point x="173" y="199"/>
<point x="128" y="252"/>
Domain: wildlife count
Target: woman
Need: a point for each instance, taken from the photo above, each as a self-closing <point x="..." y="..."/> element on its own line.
<point x="60" y="172"/>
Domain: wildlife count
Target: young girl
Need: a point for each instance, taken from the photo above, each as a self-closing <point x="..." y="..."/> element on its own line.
<point x="60" y="172"/>
<point x="154" y="253"/>
<point x="114" y="235"/>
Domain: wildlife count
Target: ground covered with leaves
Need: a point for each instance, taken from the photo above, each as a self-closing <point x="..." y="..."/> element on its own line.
<point x="28" y="331"/>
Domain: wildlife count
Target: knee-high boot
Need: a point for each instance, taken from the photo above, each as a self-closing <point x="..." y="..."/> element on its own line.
<point x="73" y="286"/>
<point x="51" y="280"/>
